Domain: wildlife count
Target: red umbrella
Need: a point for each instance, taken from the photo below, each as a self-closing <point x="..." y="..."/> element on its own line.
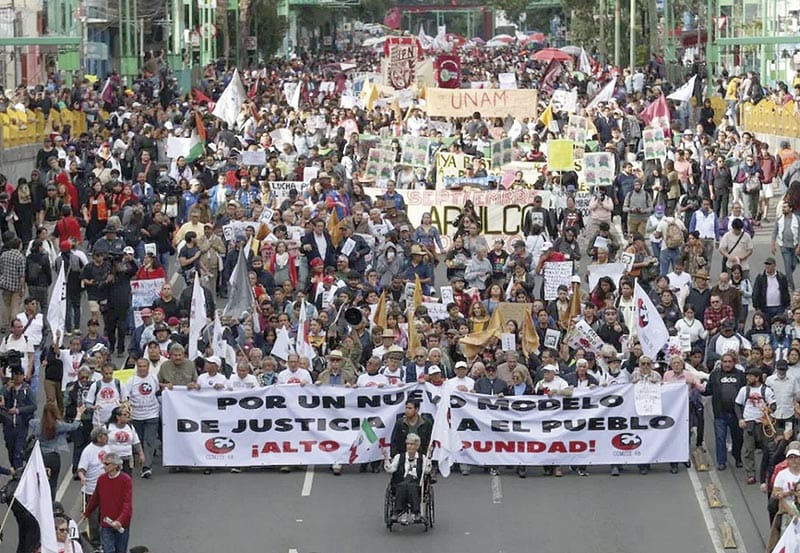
<point x="549" y="54"/>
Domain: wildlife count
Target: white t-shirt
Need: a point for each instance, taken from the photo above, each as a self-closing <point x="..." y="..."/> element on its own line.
<point x="678" y="281"/>
<point x="397" y="377"/>
<point x="457" y="384"/>
<point x="142" y="393"/>
<point x="71" y="362"/>
<point x="91" y="462"/>
<point x="300" y="376"/>
<point x="35" y="331"/>
<point x="22" y="345"/>
<point x="205" y="380"/>
<point x="372" y="380"/>
<point x="751" y="406"/>
<point x="122" y="440"/>
<point x="236" y="383"/>
<point x="104" y="396"/>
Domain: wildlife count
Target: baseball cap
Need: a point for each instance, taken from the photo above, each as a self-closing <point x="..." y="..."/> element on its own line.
<point x="433" y="369"/>
<point x="173" y="321"/>
<point x="128" y="250"/>
<point x="793" y="453"/>
<point x="336" y="354"/>
<point x="213" y="359"/>
<point x="461" y="365"/>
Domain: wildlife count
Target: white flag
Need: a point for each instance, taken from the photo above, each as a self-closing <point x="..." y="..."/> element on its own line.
<point x="197" y="316"/>
<point x="604" y="95"/>
<point x="585" y="65"/>
<point x="684" y="93"/>
<point x="790" y="541"/>
<point x="294" y="101"/>
<point x="283" y="344"/>
<point x="301" y="345"/>
<point x="33" y="493"/>
<point x="650" y="327"/>
<point x="57" y="308"/>
<point x="444" y="437"/>
<point x="230" y="103"/>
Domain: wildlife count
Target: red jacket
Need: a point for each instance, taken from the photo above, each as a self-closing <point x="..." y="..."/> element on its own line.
<point x="69" y="227"/>
<point x="114" y="496"/>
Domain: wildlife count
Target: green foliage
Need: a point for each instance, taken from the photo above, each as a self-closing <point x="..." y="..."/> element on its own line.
<point x="267" y="26"/>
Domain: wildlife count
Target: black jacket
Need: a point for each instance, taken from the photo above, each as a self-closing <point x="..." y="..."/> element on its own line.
<point x="401" y="430"/>
<point x="760" y="290"/>
<point x="723" y="387"/>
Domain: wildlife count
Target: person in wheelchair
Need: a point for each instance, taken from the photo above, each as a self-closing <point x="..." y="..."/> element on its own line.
<point x="408" y="469"/>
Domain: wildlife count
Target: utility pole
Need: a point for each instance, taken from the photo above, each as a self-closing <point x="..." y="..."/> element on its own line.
<point x="632" y="54"/>
<point x="617" y="33"/>
<point x="603" y="50"/>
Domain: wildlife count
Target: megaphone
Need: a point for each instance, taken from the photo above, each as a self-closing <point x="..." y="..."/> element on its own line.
<point x="353" y="316"/>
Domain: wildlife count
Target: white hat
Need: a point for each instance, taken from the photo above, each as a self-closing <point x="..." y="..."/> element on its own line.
<point x="461" y="364"/>
<point x="128" y="249"/>
<point x="213" y="359"/>
<point x="551" y="368"/>
<point x="433" y="369"/>
<point x="794" y="451"/>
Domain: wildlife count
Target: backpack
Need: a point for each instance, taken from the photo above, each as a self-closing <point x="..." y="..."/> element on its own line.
<point x="33" y="270"/>
<point x="99" y="383"/>
<point x="674" y="237"/>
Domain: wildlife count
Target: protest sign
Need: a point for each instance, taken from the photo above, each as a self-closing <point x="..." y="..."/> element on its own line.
<point x="281" y="136"/>
<point x="551" y="338"/>
<point x="508" y="341"/>
<point x="415" y="151"/>
<point x="401" y="61"/>
<point x="178" y="146"/>
<point x="436" y="311"/>
<point x="501" y="151"/>
<point x="500" y="211"/>
<point x="254" y="158"/>
<point x="560" y="155"/>
<point x="598" y="169"/>
<point x="654" y="147"/>
<point x="144" y="293"/>
<point x="450" y="165"/>
<point x="614" y="271"/>
<point x="280" y="189"/>
<point x="627" y="259"/>
<point x="507" y="81"/>
<point x="565" y="100"/>
<point x="647" y="398"/>
<point x="446" y="102"/>
<point x="583" y="336"/>
<point x="446" y="293"/>
<point x="305" y="425"/>
<point x="380" y="164"/>
<point x="578" y="129"/>
<point x="556" y="273"/>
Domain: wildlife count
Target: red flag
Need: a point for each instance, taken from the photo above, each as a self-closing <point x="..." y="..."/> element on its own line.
<point x="657" y="114"/>
<point x="447" y="69"/>
<point x="393" y="19"/>
<point x="554" y="69"/>
<point x="200" y="126"/>
<point x="199" y="97"/>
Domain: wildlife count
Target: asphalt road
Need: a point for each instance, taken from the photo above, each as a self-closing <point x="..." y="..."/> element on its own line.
<point x="314" y="511"/>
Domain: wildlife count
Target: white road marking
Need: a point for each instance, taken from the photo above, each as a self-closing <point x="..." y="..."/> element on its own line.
<point x="293" y="551"/>
<point x="62" y="488"/>
<point x="737" y="535"/>
<point x="706" y="510"/>
<point x="497" y="490"/>
<point x="308" y="481"/>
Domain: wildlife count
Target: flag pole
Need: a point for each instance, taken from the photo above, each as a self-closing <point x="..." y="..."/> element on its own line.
<point x="5" y="518"/>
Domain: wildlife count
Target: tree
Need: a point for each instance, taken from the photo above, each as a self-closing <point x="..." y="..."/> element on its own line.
<point x="513" y="8"/>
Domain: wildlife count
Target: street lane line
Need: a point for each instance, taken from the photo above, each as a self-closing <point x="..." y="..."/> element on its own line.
<point x="62" y="488"/>
<point x="497" y="490"/>
<point x="308" y="481"/>
<point x="728" y="513"/>
<point x="704" y="508"/>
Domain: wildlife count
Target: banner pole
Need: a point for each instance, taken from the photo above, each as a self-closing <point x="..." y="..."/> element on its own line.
<point x="5" y="518"/>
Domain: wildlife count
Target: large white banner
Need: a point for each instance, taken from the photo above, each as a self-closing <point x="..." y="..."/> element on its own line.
<point x="293" y="425"/>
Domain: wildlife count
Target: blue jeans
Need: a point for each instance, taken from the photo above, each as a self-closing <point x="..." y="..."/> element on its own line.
<point x="656" y="248"/>
<point x="73" y="318"/>
<point x="790" y="264"/>
<point x="667" y="259"/>
<point x="113" y="541"/>
<point x="723" y="422"/>
<point x="37" y="366"/>
<point x="164" y="259"/>
<point x="770" y="312"/>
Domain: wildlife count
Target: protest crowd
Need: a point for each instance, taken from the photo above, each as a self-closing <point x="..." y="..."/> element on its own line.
<point x="328" y="230"/>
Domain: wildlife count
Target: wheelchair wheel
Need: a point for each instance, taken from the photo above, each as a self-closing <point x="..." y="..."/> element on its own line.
<point x="429" y="507"/>
<point x="388" y="507"/>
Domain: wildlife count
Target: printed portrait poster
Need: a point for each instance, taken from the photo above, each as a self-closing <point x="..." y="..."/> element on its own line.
<point x="401" y="61"/>
<point x="654" y="147"/>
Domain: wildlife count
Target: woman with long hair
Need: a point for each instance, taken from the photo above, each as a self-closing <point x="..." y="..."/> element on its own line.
<point x="52" y="431"/>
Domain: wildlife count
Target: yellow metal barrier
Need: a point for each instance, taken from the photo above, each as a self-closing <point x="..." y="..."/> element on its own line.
<point x="769" y="118"/>
<point x="19" y="128"/>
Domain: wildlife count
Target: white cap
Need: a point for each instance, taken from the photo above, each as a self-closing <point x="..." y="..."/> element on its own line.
<point x="433" y="369"/>
<point x="551" y="368"/>
<point x="795" y="452"/>
<point x="461" y="364"/>
<point x="128" y="249"/>
<point x="213" y="359"/>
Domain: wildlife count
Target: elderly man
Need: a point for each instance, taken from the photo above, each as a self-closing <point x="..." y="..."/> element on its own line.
<point x="771" y="290"/>
<point x="336" y="374"/>
<point x="113" y="495"/>
<point x="786" y="236"/>
<point x="407" y="469"/>
<point x="90" y="468"/>
<point x="178" y="371"/>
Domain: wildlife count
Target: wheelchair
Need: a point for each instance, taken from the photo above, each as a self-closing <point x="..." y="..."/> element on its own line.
<point x="426" y="505"/>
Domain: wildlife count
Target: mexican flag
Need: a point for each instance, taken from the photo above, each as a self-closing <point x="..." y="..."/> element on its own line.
<point x="363" y="443"/>
<point x="197" y="143"/>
